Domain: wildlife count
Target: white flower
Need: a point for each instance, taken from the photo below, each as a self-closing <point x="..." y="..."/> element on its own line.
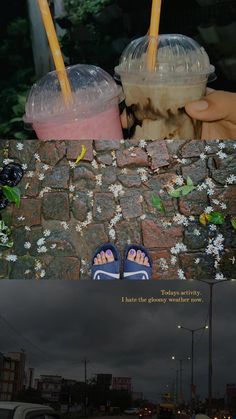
<point x="142" y="143"/>
<point x="112" y="233"/>
<point x="19" y="146"/>
<point x="173" y="260"/>
<point x="42" y="249"/>
<point x="221" y="155"/>
<point x="72" y="188"/>
<point x="90" y="194"/>
<point x="46" y="233"/>
<point x="124" y="171"/>
<point x="94" y="164"/>
<point x="114" y="163"/>
<point x="212" y="227"/>
<point x="42" y="273"/>
<point x="203" y="156"/>
<point x="178" y="248"/>
<point x="27" y="245"/>
<point x="72" y="164"/>
<point x="116" y="189"/>
<point x="11" y="258"/>
<point x="65" y="225"/>
<point x="45" y="167"/>
<point x="36" y="156"/>
<point x="191" y="218"/>
<point x="30" y="174"/>
<point x="196" y="232"/>
<point x="142" y="217"/>
<point x="179" y="180"/>
<point x="7" y="161"/>
<point x="143" y="174"/>
<point x="99" y="210"/>
<point x="37" y="266"/>
<point x="21" y="218"/>
<point x="219" y="277"/>
<point x="197" y="261"/>
<point x="221" y="145"/>
<point x="181" y="220"/>
<point x="210" y="192"/>
<point x="53" y="246"/>
<point x="181" y="274"/>
<point x="223" y="206"/>
<point x="41" y="176"/>
<point x="215" y="201"/>
<point x="207" y="148"/>
<point x="208" y="210"/>
<point x="163" y="264"/>
<point x="94" y="152"/>
<point x="24" y="166"/>
<point x="98" y="180"/>
<point x="182" y="161"/>
<point x="27" y="272"/>
<point x="231" y="179"/>
<point x="41" y="241"/>
<point x="27" y="228"/>
<point x="4" y="239"/>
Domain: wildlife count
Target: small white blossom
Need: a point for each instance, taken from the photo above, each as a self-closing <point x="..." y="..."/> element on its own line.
<point x="219" y="277"/>
<point x="27" y="228"/>
<point x="72" y="188"/>
<point x="197" y="261"/>
<point x="37" y="157"/>
<point x="41" y="241"/>
<point x="142" y="143"/>
<point x="7" y="161"/>
<point x="24" y="166"/>
<point x="53" y="246"/>
<point x="42" y="273"/>
<point x="46" y="233"/>
<point x="221" y="155"/>
<point x="116" y="189"/>
<point x="21" y="218"/>
<point x="94" y="164"/>
<point x="179" y="180"/>
<point x="112" y="233"/>
<point x="42" y="249"/>
<point x="196" y="232"/>
<point x="19" y="146"/>
<point x="11" y="258"/>
<point x="203" y="156"/>
<point x="208" y="210"/>
<point x="99" y="210"/>
<point x="98" y="180"/>
<point x="30" y="174"/>
<point x="72" y="164"/>
<point x="181" y="274"/>
<point x="37" y="266"/>
<point x="41" y="176"/>
<point x="45" y="167"/>
<point x="27" y="245"/>
<point x="65" y="225"/>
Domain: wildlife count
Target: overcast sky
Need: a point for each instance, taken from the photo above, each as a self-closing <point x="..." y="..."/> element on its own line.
<point x="59" y="323"/>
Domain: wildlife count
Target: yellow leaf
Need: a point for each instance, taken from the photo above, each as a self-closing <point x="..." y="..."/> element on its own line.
<point x="203" y="218"/>
<point x="82" y="154"/>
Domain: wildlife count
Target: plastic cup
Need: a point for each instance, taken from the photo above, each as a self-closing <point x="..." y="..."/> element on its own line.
<point x="155" y="100"/>
<point x="93" y="112"/>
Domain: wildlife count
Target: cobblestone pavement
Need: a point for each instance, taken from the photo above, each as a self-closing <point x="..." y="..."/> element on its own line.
<point x="67" y="210"/>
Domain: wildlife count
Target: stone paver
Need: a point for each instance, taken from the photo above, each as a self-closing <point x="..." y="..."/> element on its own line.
<point x="68" y="210"/>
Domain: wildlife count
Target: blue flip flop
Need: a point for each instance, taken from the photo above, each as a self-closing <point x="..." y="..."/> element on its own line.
<point x="110" y="270"/>
<point x="133" y="270"/>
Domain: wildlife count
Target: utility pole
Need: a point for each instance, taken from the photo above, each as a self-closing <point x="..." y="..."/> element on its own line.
<point x="85" y="362"/>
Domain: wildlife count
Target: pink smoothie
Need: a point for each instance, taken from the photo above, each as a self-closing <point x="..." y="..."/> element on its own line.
<point x="105" y="125"/>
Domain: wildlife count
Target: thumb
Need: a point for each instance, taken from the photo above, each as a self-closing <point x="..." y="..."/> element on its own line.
<point x="216" y="106"/>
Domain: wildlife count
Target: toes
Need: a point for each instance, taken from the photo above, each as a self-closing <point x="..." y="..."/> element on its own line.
<point x="138" y="258"/>
<point x="95" y="262"/>
<point x="131" y="255"/>
<point x="146" y="262"/>
<point x="109" y="256"/>
<point x="103" y="257"/>
<point x="99" y="259"/>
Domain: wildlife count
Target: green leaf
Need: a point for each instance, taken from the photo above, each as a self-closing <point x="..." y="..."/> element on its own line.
<point x="216" y="217"/>
<point x="176" y="193"/>
<point x="233" y="222"/>
<point x="189" y="181"/>
<point x="16" y="119"/>
<point x="157" y="203"/>
<point x="187" y="189"/>
<point x="12" y="194"/>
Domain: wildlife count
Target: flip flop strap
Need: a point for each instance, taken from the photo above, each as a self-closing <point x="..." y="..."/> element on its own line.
<point x="106" y="271"/>
<point x="133" y="270"/>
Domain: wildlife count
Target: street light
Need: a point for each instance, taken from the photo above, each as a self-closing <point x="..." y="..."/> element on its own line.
<point x="210" y="367"/>
<point x="192" y="331"/>
<point x="179" y="397"/>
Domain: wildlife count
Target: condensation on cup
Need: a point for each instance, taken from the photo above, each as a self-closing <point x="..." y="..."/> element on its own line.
<point x="155" y="99"/>
<point x="92" y="113"/>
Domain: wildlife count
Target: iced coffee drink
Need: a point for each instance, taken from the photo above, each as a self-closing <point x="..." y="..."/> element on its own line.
<point x="92" y="113"/>
<point x="155" y="100"/>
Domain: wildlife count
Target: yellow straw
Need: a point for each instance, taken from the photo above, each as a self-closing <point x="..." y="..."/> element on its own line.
<point x="153" y="34"/>
<point x="55" y="50"/>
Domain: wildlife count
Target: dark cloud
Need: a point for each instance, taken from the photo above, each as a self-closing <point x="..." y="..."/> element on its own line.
<point x="58" y="323"/>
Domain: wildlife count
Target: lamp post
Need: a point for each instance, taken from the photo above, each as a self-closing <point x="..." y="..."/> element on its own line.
<point x="192" y="331"/>
<point x="210" y="366"/>
<point x="179" y="374"/>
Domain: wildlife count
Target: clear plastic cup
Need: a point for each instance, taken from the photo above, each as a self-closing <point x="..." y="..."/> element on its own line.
<point x="93" y="112"/>
<point x="155" y="100"/>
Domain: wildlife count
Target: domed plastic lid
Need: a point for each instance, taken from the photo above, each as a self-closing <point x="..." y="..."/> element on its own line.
<point x="92" y="90"/>
<point x="178" y="57"/>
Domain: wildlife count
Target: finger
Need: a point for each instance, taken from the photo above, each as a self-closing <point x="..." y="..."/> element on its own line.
<point x="216" y="106"/>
